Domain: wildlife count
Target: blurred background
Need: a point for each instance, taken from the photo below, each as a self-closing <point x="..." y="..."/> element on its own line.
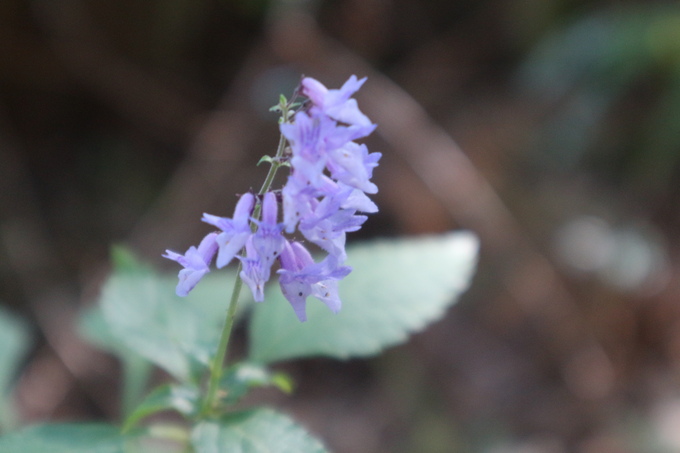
<point x="551" y="128"/>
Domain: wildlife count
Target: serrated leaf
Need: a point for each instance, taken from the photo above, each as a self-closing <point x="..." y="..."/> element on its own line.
<point x="255" y="431"/>
<point x="180" y="335"/>
<point x="396" y="288"/>
<point x="65" y="438"/>
<point x="181" y="398"/>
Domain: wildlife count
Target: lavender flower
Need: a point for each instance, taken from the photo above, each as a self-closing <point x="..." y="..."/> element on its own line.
<point x="196" y="263"/>
<point x="336" y="103"/>
<point x="327" y="223"/>
<point x="235" y="231"/>
<point x="326" y="189"/>
<point x="255" y="271"/>
<point x="353" y="165"/>
<point x="268" y="241"/>
<point x="300" y="277"/>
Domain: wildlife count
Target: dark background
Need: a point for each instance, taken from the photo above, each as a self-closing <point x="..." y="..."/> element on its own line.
<point x="121" y="122"/>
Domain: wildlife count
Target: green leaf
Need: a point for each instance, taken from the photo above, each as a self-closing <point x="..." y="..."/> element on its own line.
<point x="180" y="335"/>
<point x="255" y="431"/>
<point x="65" y="438"/>
<point x="136" y="369"/>
<point x="14" y="342"/>
<point x="397" y="287"/>
<point x="266" y="158"/>
<point x="181" y="398"/>
<point x="243" y="376"/>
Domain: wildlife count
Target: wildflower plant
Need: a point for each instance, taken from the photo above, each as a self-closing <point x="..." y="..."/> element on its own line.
<point x="330" y="300"/>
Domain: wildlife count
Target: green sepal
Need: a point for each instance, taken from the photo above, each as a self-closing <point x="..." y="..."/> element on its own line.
<point x="183" y="399"/>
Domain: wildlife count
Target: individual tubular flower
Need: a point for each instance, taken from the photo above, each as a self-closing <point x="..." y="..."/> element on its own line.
<point x="353" y="165"/>
<point x="336" y="103"/>
<point x="196" y="262"/>
<point x="235" y="231"/>
<point x="255" y="271"/>
<point x="300" y="277"/>
<point x="267" y="240"/>
<point x="327" y="224"/>
<point x="330" y="233"/>
<point x="358" y="200"/>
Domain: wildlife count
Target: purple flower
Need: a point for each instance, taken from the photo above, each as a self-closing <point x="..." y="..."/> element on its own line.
<point x="312" y="137"/>
<point x="196" y="262"/>
<point x="327" y="226"/>
<point x="235" y="232"/>
<point x="336" y="103"/>
<point x="300" y="277"/>
<point x="267" y="240"/>
<point x="358" y="200"/>
<point x="308" y="135"/>
<point x="296" y="197"/>
<point x="327" y="186"/>
<point x="255" y="272"/>
<point x="353" y="165"/>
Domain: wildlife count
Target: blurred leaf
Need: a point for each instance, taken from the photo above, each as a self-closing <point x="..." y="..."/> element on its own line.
<point x="142" y="313"/>
<point x="14" y="343"/>
<point x="136" y="368"/>
<point x="655" y="164"/>
<point x="256" y="431"/>
<point x="65" y="438"/>
<point x="589" y="67"/>
<point x="243" y="376"/>
<point x="181" y="398"/>
<point x="604" y="51"/>
<point x="397" y="287"/>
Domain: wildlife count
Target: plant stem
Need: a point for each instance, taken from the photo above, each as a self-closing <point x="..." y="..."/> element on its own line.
<point x="216" y="367"/>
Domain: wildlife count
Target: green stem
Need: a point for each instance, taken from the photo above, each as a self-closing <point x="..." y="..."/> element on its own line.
<point x="272" y="171"/>
<point x="216" y="367"/>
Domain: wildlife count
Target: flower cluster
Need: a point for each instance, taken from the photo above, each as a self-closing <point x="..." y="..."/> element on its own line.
<point x="326" y="189"/>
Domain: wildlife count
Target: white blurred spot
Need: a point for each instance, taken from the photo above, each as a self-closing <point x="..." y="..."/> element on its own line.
<point x="631" y="259"/>
<point x="585" y="244"/>
<point x="666" y="420"/>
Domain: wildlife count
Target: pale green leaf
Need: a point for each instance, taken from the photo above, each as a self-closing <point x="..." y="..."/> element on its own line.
<point x="142" y="313"/>
<point x="255" y="431"/>
<point x="397" y="287"/>
<point x="136" y="369"/>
